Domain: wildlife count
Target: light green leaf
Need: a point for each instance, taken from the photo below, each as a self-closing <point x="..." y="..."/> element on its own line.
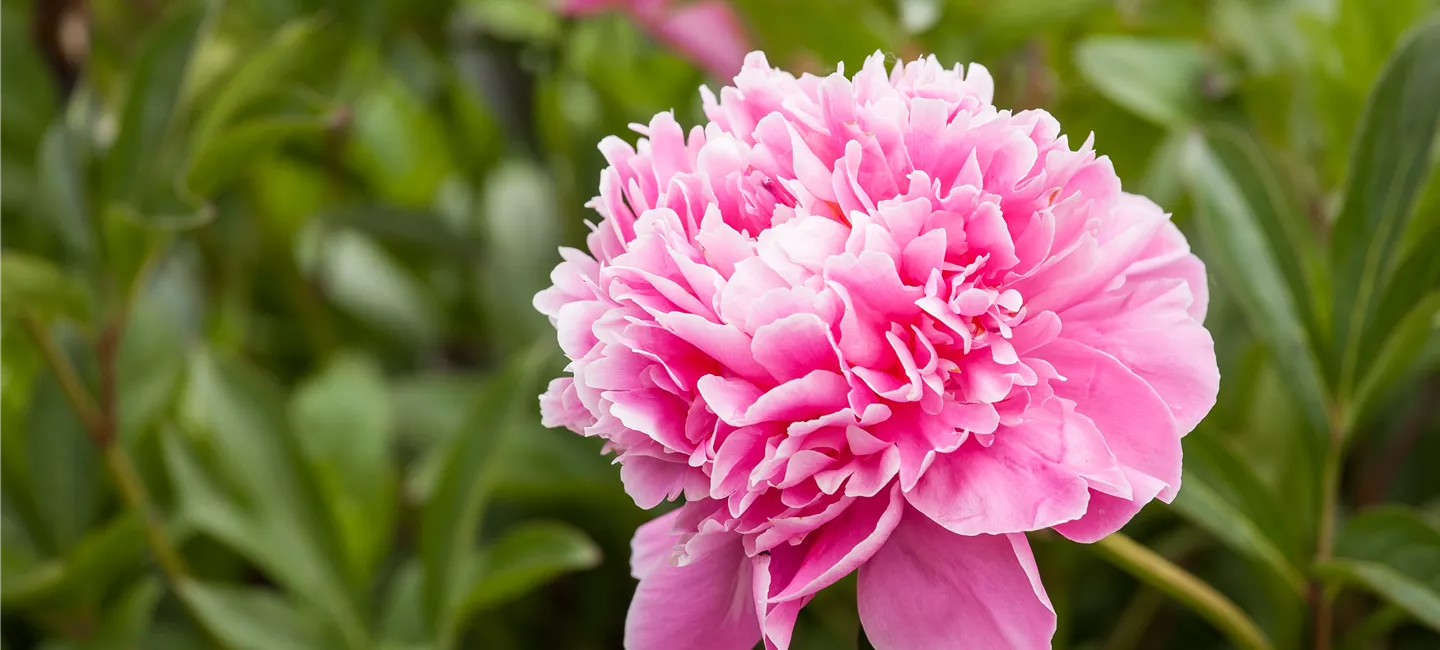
<point x="1396" y="554"/>
<point x="367" y="282"/>
<point x="397" y="144"/>
<point x="515" y="20"/>
<point x="520" y="252"/>
<point x="1223" y="496"/>
<point x="403" y="621"/>
<point x="254" y="619"/>
<point x="409" y="227"/>
<point x="830" y="30"/>
<point x="155" y="86"/>
<point x="1241" y="253"/>
<point x="1159" y="79"/>
<point x="453" y="513"/>
<point x="266" y="70"/>
<point x="1389" y="161"/>
<point x="525" y="558"/>
<point x="345" y="425"/>
<point x="227" y="156"/>
<point x="34" y="286"/>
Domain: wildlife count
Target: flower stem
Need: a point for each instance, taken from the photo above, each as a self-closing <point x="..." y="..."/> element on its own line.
<point x="1149" y="567"/>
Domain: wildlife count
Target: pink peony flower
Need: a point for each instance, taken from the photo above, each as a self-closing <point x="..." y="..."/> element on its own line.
<point x="705" y="31"/>
<point x="879" y="325"/>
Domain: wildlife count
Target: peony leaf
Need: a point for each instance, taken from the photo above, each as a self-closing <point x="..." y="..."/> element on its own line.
<point x="1395" y="553"/>
<point x="1389" y="163"/>
<point x="1159" y="79"/>
<point x="227" y="156"/>
<point x="343" y="420"/>
<point x="254" y="619"/>
<point x="155" y="90"/>
<point x="526" y="557"/>
<point x="456" y="506"/>
<point x="1223" y="496"/>
<point x="1229" y="214"/>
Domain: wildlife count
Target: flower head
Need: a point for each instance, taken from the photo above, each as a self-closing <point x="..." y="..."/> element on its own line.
<point x="875" y="324"/>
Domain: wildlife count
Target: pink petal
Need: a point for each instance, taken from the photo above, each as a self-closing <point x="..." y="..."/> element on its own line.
<point x="843" y="544"/>
<point x="708" y="603"/>
<point x="928" y="588"/>
<point x="1031" y="477"/>
<point x="1131" y="416"/>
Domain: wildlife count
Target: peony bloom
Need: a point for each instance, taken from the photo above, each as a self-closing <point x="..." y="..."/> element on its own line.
<point x="877" y="325"/>
<point x="706" y="31"/>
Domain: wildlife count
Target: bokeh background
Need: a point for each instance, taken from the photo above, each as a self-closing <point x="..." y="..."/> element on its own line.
<point x="269" y="361"/>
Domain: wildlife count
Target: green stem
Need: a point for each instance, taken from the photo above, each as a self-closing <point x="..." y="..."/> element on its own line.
<point x="70" y="382"/>
<point x="1149" y="567"/>
<point x="1322" y="598"/>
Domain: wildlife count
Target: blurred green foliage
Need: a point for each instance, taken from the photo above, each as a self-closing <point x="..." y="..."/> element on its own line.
<point x="269" y="363"/>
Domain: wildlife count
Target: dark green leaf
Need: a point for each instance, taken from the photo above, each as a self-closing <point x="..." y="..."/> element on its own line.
<point x="403" y="621"/>
<point x="410" y="227"/>
<point x="1223" y="496"/>
<point x="1243" y="257"/>
<point x="33" y="286"/>
<point x="66" y="475"/>
<point x="27" y="89"/>
<point x="1391" y="363"/>
<point x="452" y="515"/>
<point x="254" y="619"/>
<point x="1159" y="79"/>
<point x="526" y="557"/>
<point x="61" y="195"/>
<point x="345" y="425"/>
<point x="155" y="89"/>
<point x="1390" y="159"/>
<point x="239" y="416"/>
<point x="126" y="622"/>
<point x="1396" y="554"/>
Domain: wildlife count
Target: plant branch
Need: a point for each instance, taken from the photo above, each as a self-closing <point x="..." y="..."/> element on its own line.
<point x="70" y="382"/>
<point x="1153" y="569"/>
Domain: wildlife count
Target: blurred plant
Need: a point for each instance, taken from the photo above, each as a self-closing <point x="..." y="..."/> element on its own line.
<point x="267" y="346"/>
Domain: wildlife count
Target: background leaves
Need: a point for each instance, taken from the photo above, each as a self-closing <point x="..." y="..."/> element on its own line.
<point x="280" y="255"/>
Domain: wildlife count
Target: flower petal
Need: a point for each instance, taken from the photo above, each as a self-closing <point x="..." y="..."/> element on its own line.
<point x="705" y="604"/>
<point x="929" y="588"/>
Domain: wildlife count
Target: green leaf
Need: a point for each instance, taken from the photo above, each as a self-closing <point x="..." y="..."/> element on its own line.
<point x="105" y="554"/>
<point x="126" y="621"/>
<point x="34" y="286"/>
<point x="1159" y="79"/>
<point x="1389" y="161"/>
<point x="265" y="70"/>
<point x="61" y="192"/>
<point x="66" y="475"/>
<point x="239" y="417"/>
<point x="830" y="30"/>
<point x="1238" y="248"/>
<point x="366" y="281"/>
<point x="1223" y="496"/>
<point x="526" y="557"/>
<point x="403" y="614"/>
<point x="254" y="619"/>
<point x="398" y="145"/>
<point x="346" y="427"/>
<point x="1414" y="331"/>
<point x="151" y="363"/>
<point x="409" y="227"/>
<point x="1396" y="554"/>
<point x="450" y="518"/>
<point x="155" y="86"/>
<point x="521" y="21"/>
<point x="27" y="87"/>
<point x="227" y="156"/>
